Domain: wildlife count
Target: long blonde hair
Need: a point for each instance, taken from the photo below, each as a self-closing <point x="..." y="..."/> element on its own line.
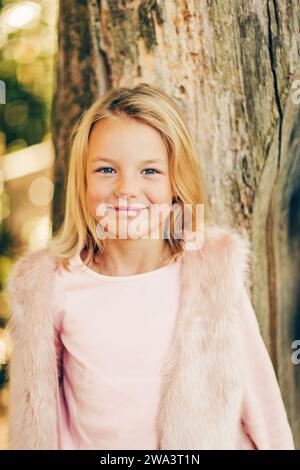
<point x="151" y="106"/>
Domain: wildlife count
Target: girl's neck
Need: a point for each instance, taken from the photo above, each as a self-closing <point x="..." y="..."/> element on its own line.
<point x="129" y="259"/>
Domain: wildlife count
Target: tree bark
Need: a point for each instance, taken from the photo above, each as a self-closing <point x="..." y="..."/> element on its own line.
<point x="230" y="66"/>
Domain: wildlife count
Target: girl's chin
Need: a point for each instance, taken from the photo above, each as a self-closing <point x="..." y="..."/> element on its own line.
<point x="124" y="231"/>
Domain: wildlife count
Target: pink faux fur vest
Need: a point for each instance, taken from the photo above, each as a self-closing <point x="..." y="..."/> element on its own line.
<point x="202" y="391"/>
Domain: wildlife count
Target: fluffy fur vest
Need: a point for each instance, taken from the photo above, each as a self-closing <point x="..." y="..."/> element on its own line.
<point x="202" y="388"/>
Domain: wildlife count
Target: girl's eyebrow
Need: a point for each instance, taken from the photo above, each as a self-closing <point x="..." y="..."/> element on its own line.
<point x="97" y="159"/>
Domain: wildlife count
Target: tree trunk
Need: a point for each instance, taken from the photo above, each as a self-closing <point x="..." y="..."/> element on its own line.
<point x="230" y="66"/>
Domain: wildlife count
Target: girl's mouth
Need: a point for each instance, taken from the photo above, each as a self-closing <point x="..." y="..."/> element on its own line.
<point x="128" y="210"/>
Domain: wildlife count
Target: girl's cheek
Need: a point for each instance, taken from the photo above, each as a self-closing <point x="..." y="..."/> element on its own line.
<point x="92" y="202"/>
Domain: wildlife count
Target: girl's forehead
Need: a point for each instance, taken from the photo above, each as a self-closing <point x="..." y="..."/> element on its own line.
<point x="118" y="124"/>
<point x="122" y="139"/>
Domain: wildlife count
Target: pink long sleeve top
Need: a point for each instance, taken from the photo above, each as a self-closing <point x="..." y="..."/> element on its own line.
<point x="116" y="331"/>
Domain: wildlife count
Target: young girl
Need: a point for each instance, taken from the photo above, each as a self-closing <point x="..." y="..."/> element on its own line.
<point x="126" y="335"/>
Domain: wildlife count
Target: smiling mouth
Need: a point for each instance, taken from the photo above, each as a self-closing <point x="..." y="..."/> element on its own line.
<point x="133" y="208"/>
<point x="130" y="209"/>
<point x="128" y="212"/>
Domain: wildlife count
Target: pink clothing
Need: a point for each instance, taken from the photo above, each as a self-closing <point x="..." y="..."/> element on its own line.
<point x="116" y="331"/>
<point x="264" y="416"/>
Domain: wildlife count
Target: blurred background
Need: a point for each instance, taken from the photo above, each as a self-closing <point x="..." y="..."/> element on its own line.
<point x="28" y="44"/>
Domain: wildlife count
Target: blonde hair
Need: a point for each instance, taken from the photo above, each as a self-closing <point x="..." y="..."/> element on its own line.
<point x="150" y="106"/>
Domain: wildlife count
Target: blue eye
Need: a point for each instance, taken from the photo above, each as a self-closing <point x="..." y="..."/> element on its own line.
<point x="151" y="169"/>
<point x="105" y="168"/>
<point x="99" y="170"/>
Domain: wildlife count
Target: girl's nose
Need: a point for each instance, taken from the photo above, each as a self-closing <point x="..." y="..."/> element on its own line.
<point x="126" y="190"/>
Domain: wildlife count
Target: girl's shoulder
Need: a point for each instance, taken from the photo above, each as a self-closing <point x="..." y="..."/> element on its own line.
<point x="222" y="262"/>
<point x="218" y="247"/>
<point x="32" y="272"/>
<point x="218" y="237"/>
<point x="221" y="246"/>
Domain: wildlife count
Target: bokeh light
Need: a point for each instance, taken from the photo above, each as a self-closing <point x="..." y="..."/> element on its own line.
<point x="36" y="232"/>
<point x="20" y="15"/>
<point x="4" y="205"/>
<point x="26" y="51"/>
<point x="40" y="191"/>
<point x="16" y="112"/>
<point x="28" y="44"/>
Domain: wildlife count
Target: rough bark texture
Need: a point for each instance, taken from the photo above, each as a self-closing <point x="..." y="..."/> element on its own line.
<point x="230" y="66"/>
